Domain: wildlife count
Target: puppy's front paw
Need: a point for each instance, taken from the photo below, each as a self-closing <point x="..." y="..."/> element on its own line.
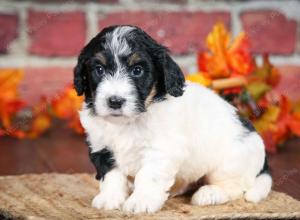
<point x="209" y="195"/>
<point x="144" y="203"/>
<point x="108" y="201"/>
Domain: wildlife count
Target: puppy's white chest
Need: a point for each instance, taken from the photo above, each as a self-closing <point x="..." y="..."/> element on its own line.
<point x="128" y="146"/>
<point x="127" y="142"/>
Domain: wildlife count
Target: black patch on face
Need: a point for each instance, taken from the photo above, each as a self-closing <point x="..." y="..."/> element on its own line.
<point x="84" y="82"/>
<point x="161" y="72"/>
<point x="266" y="168"/>
<point x="144" y="83"/>
<point x="168" y="77"/>
<point x="247" y="124"/>
<point x="103" y="161"/>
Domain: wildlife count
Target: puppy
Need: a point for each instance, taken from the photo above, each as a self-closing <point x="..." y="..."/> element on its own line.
<point x="143" y="120"/>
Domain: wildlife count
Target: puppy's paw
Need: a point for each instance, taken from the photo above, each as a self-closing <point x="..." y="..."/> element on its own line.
<point x="209" y="195"/>
<point x="253" y="196"/>
<point x="144" y="203"/>
<point x="109" y="201"/>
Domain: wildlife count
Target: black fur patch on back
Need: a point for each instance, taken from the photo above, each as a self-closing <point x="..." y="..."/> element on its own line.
<point x="266" y="168"/>
<point x="103" y="161"/>
<point x="246" y="123"/>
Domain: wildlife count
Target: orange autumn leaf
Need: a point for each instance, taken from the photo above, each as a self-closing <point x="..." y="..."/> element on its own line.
<point x="282" y="124"/>
<point x="294" y="125"/>
<point x="278" y="123"/>
<point x="214" y="63"/>
<point x="266" y="73"/>
<point x="41" y="119"/>
<point x="239" y="56"/>
<point x="268" y="120"/>
<point x="294" y="118"/>
<point x="269" y="141"/>
<point x="199" y="78"/>
<point x="226" y="58"/>
<point x="274" y="77"/>
<point x="75" y="124"/>
<point x="39" y="125"/>
<point x="66" y="106"/>
<point x="16" y="133"/>
<point x="10" y="103"/>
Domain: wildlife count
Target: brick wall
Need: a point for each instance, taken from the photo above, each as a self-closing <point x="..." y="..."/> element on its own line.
<point x="45" y="36"/>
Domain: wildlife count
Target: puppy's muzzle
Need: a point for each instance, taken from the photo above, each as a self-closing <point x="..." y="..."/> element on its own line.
<point x="115" y="102"/>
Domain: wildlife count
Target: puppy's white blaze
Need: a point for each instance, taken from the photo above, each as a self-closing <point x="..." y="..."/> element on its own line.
<point x="116" y="85"/>
<point x="118" y="44"/>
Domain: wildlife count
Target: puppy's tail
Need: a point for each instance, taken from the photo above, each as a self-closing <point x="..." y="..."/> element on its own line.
<point x="261" y="187"/>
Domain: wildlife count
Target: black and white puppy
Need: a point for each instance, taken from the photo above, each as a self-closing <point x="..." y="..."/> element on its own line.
<point x="143" y="121"/>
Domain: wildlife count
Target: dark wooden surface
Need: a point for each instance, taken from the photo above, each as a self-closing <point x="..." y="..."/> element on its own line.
<point x="60" y="150"/>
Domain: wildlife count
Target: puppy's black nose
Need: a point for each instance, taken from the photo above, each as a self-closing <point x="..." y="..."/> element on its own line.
<point x="115" y="102"/>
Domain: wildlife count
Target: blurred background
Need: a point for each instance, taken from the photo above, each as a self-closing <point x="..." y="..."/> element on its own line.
<point x="40" y="41"/>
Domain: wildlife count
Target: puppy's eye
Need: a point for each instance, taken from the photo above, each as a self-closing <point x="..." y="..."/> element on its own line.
<point x="99" y="70"/>
<point x="137" y="71"/>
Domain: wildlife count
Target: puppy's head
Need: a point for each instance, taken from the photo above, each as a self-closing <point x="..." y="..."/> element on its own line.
<point x="123" y="70"/>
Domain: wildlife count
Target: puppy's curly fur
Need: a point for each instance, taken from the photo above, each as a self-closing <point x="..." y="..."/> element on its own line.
<point x="143" y="120"/>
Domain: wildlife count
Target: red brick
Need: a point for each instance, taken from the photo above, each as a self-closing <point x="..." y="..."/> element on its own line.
<point x="172" y="1"/>
<point x="79" y="1"/>
<point x="183" y="32"/>
<point x="8" y="30"/>
<point x="290" y="81"/>
<point x="270" y="31"/>
<point x="164" y="1"/>
<point x="48" y="81"/>
<point x="108" y="1"/>
<point x="56" y="34"/>
<point x="298" y="38"/>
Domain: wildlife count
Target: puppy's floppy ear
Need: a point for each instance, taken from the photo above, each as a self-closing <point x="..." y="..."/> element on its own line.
<point x="173" y="77"/>
<point x="79" y="78"/>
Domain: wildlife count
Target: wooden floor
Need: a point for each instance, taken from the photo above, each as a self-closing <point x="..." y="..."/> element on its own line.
<point x="65" y="152"/>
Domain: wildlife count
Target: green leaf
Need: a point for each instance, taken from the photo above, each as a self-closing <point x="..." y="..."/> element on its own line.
<point x="257" y="89"/>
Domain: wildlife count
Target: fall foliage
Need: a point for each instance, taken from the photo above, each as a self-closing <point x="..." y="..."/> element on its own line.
<point x="229" y="68"/>
<point x="225" y="58"/>
<point x="64" y="106"/>
<point x="10" y="102"/>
